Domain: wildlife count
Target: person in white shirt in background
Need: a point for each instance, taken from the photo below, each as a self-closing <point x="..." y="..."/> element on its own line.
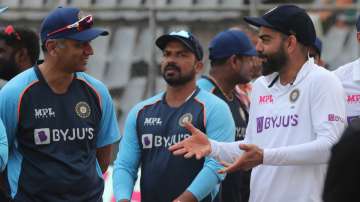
<point x="349" y="75"/>
<point x="294" y="118"/>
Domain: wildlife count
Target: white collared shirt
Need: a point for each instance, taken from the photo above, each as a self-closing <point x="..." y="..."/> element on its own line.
<point x="349" y="75"/>
<point x="296" y="125"/>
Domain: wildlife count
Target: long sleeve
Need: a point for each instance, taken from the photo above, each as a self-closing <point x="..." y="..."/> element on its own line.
<point x="328" y="120"/>
<point x="127" y="161"/>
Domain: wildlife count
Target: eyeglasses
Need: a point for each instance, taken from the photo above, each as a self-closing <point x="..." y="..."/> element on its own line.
<point x="10" y="31"/>
<point x="82" y="24"/>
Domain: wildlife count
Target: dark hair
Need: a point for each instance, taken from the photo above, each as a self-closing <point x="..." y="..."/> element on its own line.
<point x="23" y="38"/>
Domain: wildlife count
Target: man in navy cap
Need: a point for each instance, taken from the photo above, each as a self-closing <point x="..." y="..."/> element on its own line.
<point x="60" y="122"/>
<point x="231" y="55"/>
<point x="294" y="118"/>
<point x="155" y="124"/>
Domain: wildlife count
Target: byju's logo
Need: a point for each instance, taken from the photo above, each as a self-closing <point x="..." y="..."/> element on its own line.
<point x="152" y="141"/>
<point x="46" y="136"/>
<point x="264" y="123"/>
<point x="44" y="113"/>
<point x="147" y="140"/>
<point x="42" y="136"/>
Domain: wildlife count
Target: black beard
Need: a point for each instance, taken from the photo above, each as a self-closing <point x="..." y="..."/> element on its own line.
<point x="181" y="79"/>
<point x="274" y="62"/>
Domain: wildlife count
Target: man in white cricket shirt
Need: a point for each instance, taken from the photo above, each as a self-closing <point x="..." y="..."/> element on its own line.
<point x="349" y="75"/>
<point x="294" y="116"/>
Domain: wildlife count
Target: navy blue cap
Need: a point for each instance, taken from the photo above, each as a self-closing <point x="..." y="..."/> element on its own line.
<point x="187" y="38"/>
<point x="62" y="17"/>
<point x="318" y="46"/>
<point x="358" y="24"/>
<point x="230" y="42"/>
<point x="288" y="19"/>
<point x="3" y="8"/>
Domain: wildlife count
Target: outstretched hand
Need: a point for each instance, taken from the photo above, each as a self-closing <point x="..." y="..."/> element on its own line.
<point x="252" y="157"/>
<point x="196" y="145"/>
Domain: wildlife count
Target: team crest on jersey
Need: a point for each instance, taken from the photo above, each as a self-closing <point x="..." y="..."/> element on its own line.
<point x="185" y="118"/>
<point x="294" y="95"/>
<point x="82" y="109"/>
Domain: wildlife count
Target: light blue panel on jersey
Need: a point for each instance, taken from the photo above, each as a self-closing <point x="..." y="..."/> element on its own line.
<point x="205" y="84"/>
<point x="14" y="169"/>
<point x="109" y="130"/>
<point x="3" y="147"/>
<point x="128" y="157"/>
<point x="9" y="98"/>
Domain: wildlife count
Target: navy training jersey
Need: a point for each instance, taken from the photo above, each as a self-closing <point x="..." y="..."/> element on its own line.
<point x="53" y="137"/>
<point x="236" y="186"/>
<point x="152" y="126"/>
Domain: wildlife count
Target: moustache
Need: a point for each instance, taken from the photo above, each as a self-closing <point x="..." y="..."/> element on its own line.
<point x="172" y="67"/>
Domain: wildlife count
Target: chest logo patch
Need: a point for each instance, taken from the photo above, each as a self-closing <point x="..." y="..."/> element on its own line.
<point x="185" y="118"/>
<point x="82" y="109"/>
<point x="294" y="95"/>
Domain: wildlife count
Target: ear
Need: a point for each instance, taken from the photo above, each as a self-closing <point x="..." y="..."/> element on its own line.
<point x="199" y="66"/>
<point x="51" y="47"/>
<point x="291" y="43"/>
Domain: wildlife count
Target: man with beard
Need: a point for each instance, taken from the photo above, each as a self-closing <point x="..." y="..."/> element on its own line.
<point x="294" y="118"/>
<point x="231" y="55"/>
<point x="155" y="124"/>
<point x="19" y="50"/>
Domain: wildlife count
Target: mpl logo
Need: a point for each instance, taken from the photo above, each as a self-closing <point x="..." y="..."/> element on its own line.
<point x="42" y="136"/>
<point x="44" y="113"/>
<point x="353" y="99"/>
<point x="266" y="99"/>
<point x="152" y="121"/>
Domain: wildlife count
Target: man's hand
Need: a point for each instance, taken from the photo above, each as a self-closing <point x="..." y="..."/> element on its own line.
<point x="252" y="157"/>
<point x="198" y="144"/>
<point x="186" y="197"/>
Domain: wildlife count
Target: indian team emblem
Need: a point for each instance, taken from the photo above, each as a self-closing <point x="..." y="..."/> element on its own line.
<point x="294" y="95"/>
<point x="185" y="118"/>
<point x="82" y="109"/>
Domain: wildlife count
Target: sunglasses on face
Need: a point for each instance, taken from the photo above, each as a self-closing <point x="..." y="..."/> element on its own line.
<point x="80" y="25"/>
<point x="10" y="31"/>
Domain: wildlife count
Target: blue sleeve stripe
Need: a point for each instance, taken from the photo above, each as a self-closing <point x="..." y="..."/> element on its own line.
<point x="204" y="110"/>
<point x="22" y="94"/>
<point x="94" y="89"/>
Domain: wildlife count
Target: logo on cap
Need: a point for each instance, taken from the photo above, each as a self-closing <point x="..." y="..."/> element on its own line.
<point x="271" y="10"/>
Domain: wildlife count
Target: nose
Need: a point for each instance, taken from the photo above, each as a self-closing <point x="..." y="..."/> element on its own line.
<point x="88" y="50"/>
<point x="259" y="46"/>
